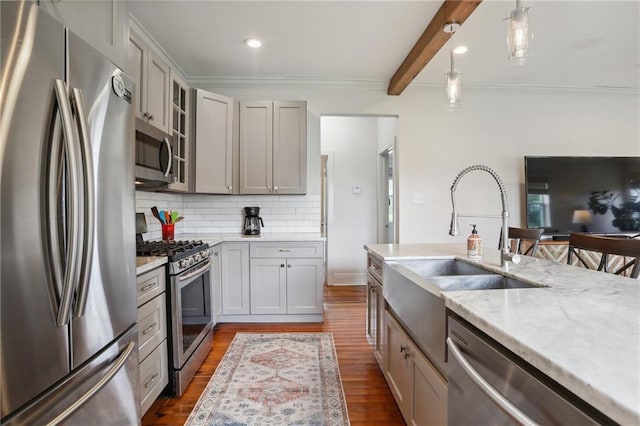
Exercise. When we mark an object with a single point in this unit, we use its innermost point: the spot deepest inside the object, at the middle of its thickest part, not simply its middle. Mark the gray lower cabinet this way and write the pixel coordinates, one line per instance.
(305, 286)
(375, 309)
(152, 336)
(268, 286)
(272, 280)
(419, 390)
(235, 278)
(216, 282)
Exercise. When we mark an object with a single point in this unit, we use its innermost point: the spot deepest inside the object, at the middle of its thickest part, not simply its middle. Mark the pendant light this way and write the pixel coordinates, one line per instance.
(453, 77)
(518, 36)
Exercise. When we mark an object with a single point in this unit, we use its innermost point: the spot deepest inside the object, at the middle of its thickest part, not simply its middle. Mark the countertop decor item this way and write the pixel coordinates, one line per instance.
(277, 378)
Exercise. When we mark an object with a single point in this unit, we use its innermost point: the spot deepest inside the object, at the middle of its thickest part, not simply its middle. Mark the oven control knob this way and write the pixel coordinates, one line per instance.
(183, 263)
(196, 257)
(191, 261)
(206, 254)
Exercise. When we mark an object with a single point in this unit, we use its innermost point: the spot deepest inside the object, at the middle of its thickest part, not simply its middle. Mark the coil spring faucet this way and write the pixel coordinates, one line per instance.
(454, 228)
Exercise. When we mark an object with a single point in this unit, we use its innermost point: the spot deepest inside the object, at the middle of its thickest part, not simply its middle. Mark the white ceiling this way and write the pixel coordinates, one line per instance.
(576, 43)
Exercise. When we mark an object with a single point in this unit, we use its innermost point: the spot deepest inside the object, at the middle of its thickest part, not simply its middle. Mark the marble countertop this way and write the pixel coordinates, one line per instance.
(583, 330)
(148, 263)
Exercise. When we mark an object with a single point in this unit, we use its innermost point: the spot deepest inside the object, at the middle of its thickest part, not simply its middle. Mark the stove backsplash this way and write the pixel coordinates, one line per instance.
(213, 214)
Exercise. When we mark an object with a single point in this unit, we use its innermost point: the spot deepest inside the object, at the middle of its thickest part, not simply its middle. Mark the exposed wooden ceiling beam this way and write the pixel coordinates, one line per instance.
(430, 42)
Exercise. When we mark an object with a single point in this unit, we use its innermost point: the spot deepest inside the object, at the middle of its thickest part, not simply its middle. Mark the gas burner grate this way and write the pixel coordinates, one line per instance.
(174, 250)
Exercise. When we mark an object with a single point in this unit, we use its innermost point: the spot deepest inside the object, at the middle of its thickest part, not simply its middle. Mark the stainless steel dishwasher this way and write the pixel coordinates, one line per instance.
(488, 385)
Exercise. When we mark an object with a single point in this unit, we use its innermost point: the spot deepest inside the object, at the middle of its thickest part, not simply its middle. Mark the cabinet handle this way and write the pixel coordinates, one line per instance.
(148, 287)
(148, 329)
(152, 380)
(402, 349)
(285, 250)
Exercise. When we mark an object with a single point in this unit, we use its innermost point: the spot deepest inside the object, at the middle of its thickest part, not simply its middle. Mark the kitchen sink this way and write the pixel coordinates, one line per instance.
(413, 290)
(439, 267)
(479, 282)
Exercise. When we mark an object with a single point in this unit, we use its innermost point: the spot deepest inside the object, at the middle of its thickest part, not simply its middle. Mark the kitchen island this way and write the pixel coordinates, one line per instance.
(582, 330)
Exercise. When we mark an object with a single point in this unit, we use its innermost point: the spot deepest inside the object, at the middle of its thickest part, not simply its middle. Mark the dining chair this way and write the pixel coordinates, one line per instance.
(530, 236)
(628, 248)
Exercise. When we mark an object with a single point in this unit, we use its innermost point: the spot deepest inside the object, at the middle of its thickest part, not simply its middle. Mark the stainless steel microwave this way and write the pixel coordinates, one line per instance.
(154, 156)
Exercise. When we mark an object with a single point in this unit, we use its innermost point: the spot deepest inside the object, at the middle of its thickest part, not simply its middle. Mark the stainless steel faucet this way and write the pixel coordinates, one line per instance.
(454, 228)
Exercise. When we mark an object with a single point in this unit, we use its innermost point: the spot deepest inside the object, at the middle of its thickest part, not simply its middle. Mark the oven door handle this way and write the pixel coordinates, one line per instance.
(196, 272)
(503, 403)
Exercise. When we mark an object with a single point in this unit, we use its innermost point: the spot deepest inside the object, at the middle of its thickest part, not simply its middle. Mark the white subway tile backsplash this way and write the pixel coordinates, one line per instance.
(225, 214)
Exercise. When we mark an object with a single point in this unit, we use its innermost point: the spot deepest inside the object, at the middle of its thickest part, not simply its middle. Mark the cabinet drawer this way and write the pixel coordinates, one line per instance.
(152, 325)
(374, 266)
(287, 249)
(154, 376)
(149, 285)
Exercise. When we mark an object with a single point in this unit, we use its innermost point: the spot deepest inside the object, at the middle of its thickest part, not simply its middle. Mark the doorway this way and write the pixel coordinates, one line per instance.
(351, 148)
(386, 197)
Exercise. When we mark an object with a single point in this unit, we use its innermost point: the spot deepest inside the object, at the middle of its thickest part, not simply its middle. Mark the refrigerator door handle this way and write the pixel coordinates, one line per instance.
(115, 368)
(86, 158)
(71, 255)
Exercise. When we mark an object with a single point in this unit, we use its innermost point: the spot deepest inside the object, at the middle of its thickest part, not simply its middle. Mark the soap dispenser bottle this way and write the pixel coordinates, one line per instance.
(474, 244)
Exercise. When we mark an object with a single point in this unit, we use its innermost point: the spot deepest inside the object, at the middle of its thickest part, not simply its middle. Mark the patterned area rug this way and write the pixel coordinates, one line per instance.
(274, 379)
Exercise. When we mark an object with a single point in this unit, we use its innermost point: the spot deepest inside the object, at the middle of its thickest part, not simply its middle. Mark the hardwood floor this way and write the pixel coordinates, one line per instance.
(369, 400)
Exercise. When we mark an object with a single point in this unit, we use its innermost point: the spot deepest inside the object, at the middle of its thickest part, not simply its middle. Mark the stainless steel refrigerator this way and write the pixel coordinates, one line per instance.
(68, 337)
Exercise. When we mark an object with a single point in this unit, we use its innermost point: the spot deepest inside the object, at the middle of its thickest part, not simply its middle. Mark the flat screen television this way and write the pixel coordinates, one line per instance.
(600, 195)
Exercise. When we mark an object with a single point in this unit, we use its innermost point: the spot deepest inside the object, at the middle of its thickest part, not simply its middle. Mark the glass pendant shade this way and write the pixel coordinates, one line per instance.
(453, 88)
(518, 34)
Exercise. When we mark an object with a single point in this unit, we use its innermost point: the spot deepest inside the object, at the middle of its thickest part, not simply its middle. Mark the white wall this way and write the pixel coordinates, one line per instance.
(495, 126)
(351, 144)
(387, 132)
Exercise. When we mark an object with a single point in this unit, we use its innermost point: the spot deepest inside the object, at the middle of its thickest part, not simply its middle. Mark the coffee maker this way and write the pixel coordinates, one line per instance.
(252, 221)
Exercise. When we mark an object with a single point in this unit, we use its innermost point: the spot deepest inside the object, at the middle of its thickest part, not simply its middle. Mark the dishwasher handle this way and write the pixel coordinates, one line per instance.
(503, 403)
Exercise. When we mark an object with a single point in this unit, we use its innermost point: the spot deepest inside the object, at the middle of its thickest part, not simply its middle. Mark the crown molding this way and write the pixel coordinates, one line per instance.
(315, 83)
(285, 82)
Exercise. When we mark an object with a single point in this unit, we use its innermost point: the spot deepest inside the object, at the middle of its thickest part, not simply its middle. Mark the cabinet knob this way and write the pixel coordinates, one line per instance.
(215, 253)
(151, 117)
(275, 188)
(145, 115)
(289, 266)
(229, 188)
(282, 265)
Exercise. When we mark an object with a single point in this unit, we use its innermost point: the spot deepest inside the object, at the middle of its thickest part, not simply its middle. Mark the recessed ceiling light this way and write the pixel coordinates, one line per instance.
(460, 50)
(253, 42)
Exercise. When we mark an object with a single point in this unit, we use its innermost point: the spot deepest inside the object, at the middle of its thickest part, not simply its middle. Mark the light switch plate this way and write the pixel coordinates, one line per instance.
(356, 190)
(418, 198)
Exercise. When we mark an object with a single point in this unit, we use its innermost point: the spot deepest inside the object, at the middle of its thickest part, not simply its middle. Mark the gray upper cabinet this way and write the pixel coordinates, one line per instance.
(152, 79)
(273, 147)
(180, 133)
(213, 143)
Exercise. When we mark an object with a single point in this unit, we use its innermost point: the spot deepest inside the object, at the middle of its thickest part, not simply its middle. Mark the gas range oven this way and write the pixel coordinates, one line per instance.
(189, 310)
